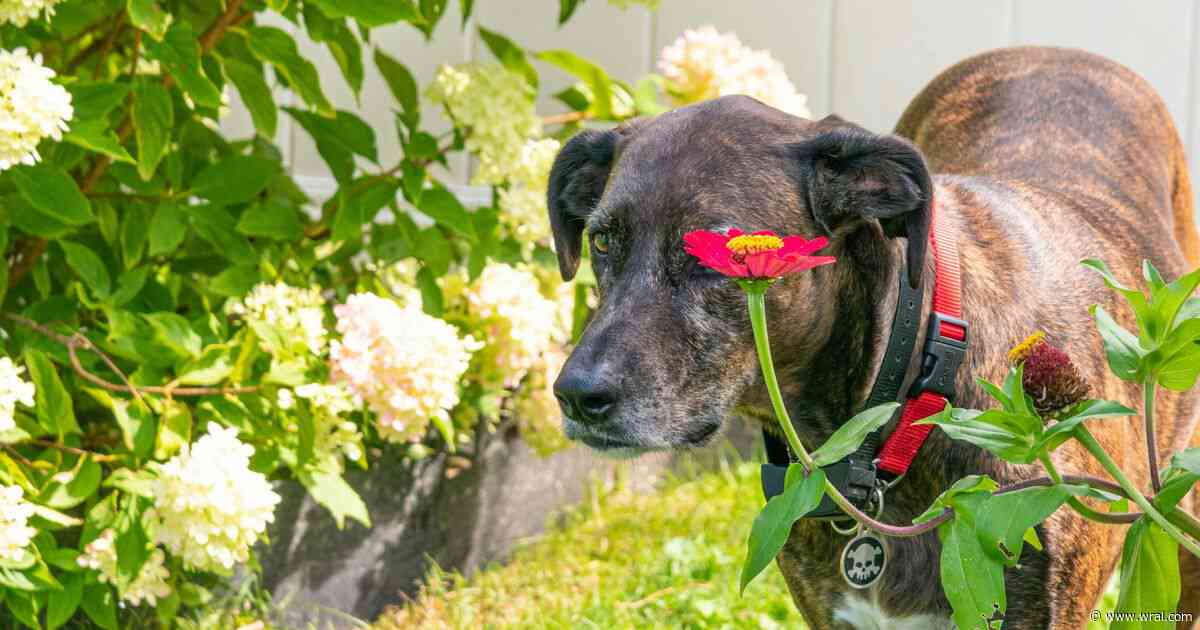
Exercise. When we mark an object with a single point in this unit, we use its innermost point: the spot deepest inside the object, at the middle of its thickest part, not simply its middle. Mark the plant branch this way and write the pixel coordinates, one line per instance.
(1084, 509)
(1149, 392)
(76, 451)
(77, 340)
(1089, 442)
(565, 118)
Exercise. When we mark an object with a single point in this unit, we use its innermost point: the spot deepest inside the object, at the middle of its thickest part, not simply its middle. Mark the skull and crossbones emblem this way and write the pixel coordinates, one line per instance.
(863, 560)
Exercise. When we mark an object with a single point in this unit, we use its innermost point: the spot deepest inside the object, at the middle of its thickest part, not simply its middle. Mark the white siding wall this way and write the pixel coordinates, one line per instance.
(863, 59)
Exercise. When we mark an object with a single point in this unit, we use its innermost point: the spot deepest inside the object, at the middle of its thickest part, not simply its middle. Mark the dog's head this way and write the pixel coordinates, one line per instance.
(669, 353)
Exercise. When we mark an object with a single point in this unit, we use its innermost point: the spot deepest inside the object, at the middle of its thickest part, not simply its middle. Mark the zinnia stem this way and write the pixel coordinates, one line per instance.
(756, 302)
(1149, 393)
(1089, 442)
(1079, 506)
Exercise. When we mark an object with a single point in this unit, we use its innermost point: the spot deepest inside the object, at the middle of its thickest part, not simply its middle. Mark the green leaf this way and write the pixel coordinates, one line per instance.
(256, 95)
(61, 605)
(591, 74)
(153, 121)
(179, 54)
(290, 373)
(996, 431)
(973, 580)
(93, 101)
(24, 607)
(1122, 347)
(338, 140)
(235, 281)
(1180, 371)
(773, 524)
(362, 207)
(272, 219)
(1149, 575)
(148, 16)
(129, 284)
(399, 80)
(58, 519)
(88, 266)
(235, 179)
(80, 486)
(174, 429)
(135, 228)
(1061, 431)
(509, 55)
(1004, 519)
(442, 206)
(431, 292)
(97, 136)
(331, 491)
(850, 435)
(215, 225)
(52, 192)
(342, 44)
(167, 229)
(100, 605)
(371, 13)
(55, 411)
(1136, 299)
(138, 424)
(566, 8)
(970, 485)
(132, 545)
(277, 48)
(174, 332)
(213, 366)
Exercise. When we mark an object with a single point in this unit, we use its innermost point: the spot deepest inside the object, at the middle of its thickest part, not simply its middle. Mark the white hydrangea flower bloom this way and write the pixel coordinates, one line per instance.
(404, 363)
(13, 390)
(32, 107)
(211, 507)
(520, 321)
(15, 533)
(495, 105)
(704, 64)
(19, 12)
(298, 313)
(523, 203)
(149, 586)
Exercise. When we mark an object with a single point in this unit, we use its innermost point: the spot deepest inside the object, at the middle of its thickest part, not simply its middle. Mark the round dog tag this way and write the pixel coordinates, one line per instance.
(863, 560)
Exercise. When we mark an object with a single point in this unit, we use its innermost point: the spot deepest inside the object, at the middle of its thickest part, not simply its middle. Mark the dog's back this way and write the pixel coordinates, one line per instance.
(1064, 120)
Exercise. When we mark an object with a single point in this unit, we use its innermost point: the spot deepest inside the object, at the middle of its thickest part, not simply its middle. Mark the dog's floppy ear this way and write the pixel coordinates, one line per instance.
(851, 174)
(577, 181)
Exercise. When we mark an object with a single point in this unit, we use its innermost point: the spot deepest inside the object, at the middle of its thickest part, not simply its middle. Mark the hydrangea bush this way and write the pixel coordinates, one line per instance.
(183, 326)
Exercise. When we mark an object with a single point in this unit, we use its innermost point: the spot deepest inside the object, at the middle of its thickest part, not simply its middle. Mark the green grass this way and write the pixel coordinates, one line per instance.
(627, 560)
(622, 560)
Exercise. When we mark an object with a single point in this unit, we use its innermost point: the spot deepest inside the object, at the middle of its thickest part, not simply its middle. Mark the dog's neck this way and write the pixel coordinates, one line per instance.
(835, 379)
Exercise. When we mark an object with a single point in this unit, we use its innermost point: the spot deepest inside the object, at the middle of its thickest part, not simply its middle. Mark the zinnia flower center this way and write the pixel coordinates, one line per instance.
(747, 244)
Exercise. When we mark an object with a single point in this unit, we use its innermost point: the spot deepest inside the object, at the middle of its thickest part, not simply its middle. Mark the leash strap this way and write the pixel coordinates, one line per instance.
(942, 354)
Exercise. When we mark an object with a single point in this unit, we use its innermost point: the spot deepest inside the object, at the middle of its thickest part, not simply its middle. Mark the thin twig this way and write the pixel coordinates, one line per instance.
(76, 340)
(564, 118)
(108, 44)
(76, 451)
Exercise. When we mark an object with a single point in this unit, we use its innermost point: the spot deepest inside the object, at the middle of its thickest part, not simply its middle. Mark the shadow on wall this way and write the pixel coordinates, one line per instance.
(321, 575)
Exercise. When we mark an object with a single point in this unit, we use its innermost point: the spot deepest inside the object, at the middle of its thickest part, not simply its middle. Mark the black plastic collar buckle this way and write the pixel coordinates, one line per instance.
(941, 357)
(854, 478)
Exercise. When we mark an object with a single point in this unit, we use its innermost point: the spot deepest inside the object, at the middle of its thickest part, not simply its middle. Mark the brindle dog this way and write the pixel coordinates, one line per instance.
(1043, 157)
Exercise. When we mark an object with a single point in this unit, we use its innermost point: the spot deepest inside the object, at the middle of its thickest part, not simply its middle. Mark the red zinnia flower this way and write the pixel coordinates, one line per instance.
(760, 255)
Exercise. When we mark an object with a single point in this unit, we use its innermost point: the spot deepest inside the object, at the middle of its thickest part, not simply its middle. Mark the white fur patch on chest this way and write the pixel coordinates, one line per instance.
(864, 614)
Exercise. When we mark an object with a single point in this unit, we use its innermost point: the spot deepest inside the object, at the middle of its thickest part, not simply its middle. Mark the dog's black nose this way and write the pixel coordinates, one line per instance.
(585, 396)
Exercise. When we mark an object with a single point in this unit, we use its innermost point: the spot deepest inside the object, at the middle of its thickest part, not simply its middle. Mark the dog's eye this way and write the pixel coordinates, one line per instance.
(600, 242)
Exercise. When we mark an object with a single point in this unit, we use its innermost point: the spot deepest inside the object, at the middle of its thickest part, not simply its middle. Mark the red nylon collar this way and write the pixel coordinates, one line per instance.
(901, 447)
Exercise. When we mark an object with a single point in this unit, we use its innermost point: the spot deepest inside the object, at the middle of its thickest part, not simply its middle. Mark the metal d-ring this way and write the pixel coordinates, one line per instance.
(854, 529)
(850, 531)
